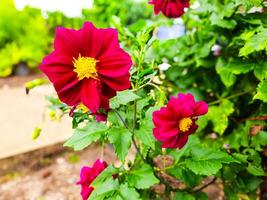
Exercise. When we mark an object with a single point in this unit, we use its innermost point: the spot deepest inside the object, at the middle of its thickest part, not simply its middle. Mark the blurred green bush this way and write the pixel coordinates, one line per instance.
(26, 36)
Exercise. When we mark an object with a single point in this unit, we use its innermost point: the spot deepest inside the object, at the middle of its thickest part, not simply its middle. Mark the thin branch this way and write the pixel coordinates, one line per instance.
(229, 97)
(122, 120)
(133, 140)
(204, 186)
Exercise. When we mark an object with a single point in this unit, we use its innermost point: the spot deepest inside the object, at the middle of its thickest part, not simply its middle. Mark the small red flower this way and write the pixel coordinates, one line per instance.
(87, 66)
(175, 122)
(170, 8)
(88, 175)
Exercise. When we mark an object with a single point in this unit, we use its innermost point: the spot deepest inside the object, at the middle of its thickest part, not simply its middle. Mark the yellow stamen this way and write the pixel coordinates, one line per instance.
(83, 108)
(185, 124)
(85, 67)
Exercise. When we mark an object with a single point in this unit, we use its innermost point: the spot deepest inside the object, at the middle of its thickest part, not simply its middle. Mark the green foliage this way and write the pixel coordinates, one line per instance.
(207, 161)
(142, 177)
(184, 196)
(218, 115)
(24, 39)
(121, 138)
(262, 91)
(254, 43)
(122, 98)
(232, 79)
(83, 137)
(108, 187)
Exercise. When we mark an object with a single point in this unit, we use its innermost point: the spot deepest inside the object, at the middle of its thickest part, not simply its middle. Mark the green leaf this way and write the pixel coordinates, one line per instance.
(142, 103)
(204, 167)
(253, 183)
(123, 98)
(120, 137)
(255, 170)
(104, 175)
(249, 3)
(83, 137)
(204, 153)
(183, 196)
(142, 178)
(207, 161)
(224, 23)
(185, 175)
(106, 189)
(128, 193)
(219, 115)
(228, 70)
(262, 91)
(255, 43)
(259, 140)
(230, 193)
(145, 132)
(240, 157)
(260, 71)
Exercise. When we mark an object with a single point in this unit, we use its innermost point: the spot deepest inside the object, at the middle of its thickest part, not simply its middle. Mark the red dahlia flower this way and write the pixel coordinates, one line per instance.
(88, 175)
(175, 122)
(87, 66)
(170, 8)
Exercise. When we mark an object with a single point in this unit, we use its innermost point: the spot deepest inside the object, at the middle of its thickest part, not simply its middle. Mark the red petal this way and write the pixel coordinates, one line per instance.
(116, 63)
(118, 83)
(90, 94)
(71, 96)
(161, 116)
(98, 41)
(182, 140)
(200, 108)
(85, 192)
(56, 66)
(85, 176)
(164, 136)
(68, 42)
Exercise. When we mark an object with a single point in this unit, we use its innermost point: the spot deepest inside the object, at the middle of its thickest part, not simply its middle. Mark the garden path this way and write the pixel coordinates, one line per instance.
(20, 114)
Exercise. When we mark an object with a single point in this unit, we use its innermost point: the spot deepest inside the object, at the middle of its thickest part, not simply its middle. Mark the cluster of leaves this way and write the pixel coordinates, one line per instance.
(232, 77)
(24, 37)
(228, 146)
(27, 37)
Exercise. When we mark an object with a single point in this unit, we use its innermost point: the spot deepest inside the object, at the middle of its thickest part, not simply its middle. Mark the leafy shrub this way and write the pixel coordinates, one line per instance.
(222, 59)
(24, 37)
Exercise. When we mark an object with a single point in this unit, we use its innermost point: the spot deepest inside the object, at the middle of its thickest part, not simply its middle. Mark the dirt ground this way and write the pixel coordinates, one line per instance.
(51, 174)
(46, 172)
(52, 177)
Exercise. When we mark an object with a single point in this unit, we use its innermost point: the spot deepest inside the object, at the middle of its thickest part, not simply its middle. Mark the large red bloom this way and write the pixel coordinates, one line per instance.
(88, 175)
(170, 8)
(175, 122)
(87, 66)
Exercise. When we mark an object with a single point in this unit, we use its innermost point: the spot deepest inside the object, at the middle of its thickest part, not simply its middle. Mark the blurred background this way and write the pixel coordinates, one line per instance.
(42, 168)
(219, 56)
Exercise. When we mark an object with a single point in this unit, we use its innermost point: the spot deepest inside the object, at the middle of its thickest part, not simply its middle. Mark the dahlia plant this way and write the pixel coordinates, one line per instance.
(120, 94)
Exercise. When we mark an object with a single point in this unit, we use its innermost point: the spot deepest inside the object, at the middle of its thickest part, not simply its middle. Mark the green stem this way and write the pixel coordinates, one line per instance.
(131, 130)
(204, 186)
(122, 120)
(229, 97)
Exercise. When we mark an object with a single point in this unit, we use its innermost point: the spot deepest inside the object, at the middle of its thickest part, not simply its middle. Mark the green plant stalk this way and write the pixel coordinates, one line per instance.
(229, 97)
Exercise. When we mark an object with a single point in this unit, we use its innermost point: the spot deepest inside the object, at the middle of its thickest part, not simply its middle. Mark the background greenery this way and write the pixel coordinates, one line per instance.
(28, 35)
(232, 137)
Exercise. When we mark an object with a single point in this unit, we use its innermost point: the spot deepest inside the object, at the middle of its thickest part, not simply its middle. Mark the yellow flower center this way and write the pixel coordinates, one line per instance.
(83, 108)
(185, 124)
(85, 67)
